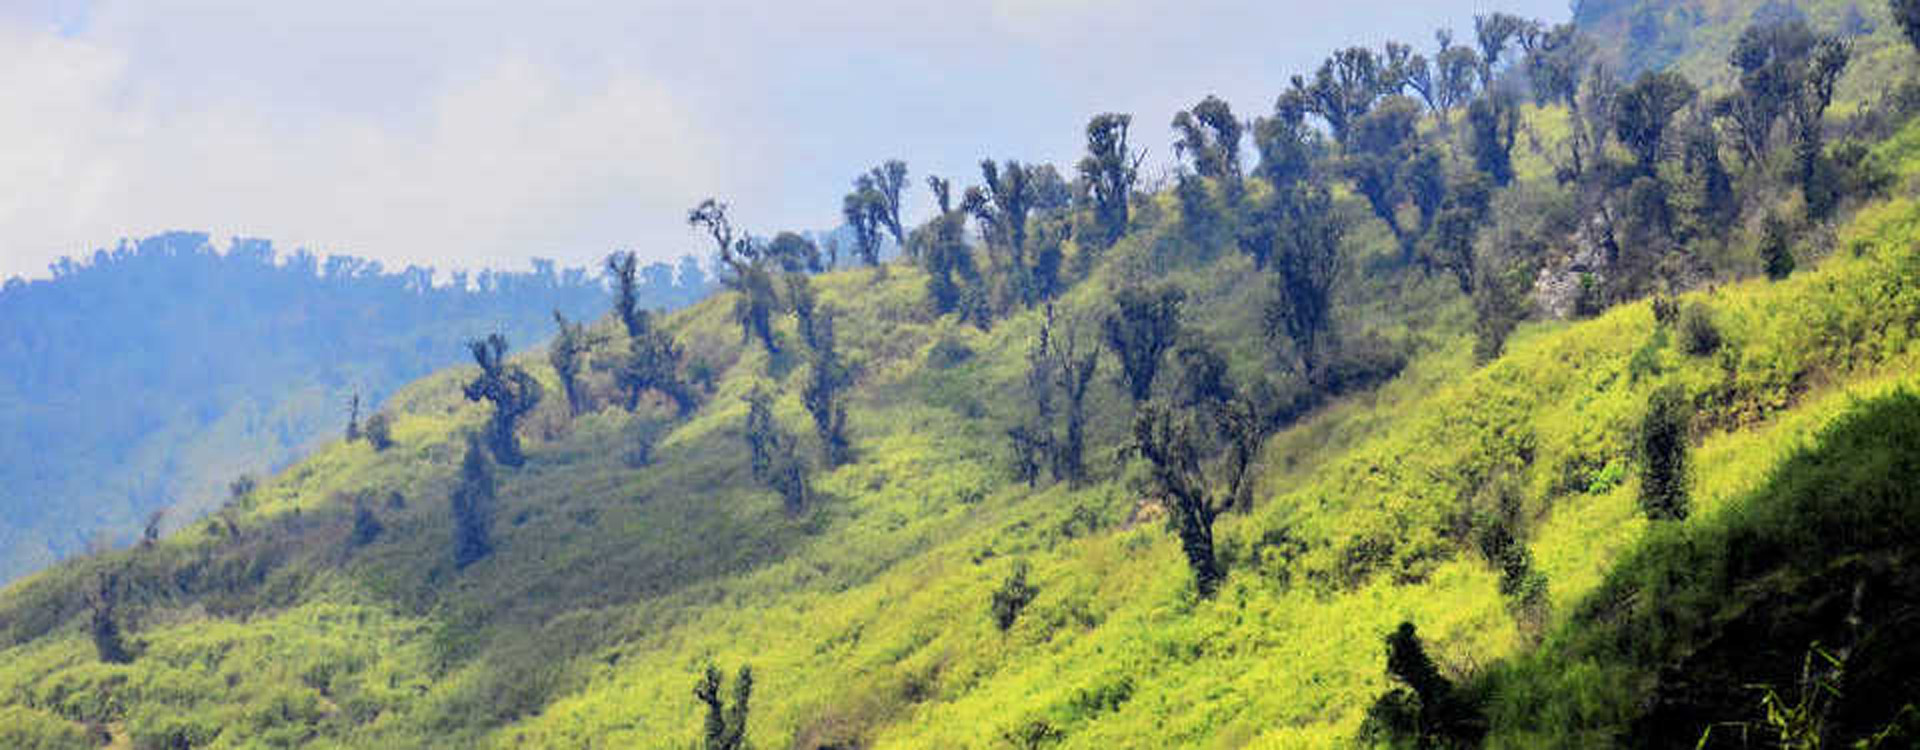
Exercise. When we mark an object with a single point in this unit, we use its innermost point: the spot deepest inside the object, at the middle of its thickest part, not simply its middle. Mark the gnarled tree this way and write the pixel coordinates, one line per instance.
(1109, 171)
(726, 726)
(514, 394)
(1140, 331)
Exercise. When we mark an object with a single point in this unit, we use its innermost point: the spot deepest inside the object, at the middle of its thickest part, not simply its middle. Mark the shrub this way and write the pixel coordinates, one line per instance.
(1698, 335)
(1663, 454)
(1014, 595)
(473, 506)
(366, 526)
(1428, 711)
(1775, 249)
(379, 431)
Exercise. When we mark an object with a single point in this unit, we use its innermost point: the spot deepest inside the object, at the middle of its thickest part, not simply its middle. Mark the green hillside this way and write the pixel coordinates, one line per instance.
(1423, 442)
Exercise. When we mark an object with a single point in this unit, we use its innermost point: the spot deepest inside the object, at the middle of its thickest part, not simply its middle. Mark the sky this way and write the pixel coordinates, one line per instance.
(481, 134)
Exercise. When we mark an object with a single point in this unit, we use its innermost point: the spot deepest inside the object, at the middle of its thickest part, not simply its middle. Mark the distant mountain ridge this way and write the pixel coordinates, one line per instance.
(151, 375)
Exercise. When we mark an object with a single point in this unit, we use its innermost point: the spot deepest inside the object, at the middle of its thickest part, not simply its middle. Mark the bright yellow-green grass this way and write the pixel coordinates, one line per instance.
(866, 619)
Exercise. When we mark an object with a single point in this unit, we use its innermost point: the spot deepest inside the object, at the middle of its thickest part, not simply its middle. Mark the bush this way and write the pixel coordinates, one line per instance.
(1014, 595)
(1775, 249)
(1698, 335)
(1663, 454)
(26, 729)
(379, 431)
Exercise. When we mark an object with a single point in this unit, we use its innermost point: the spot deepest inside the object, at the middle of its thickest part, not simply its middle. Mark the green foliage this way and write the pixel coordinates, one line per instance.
(1427, 711)
(512, 390)
(1208, 136)
(379, 431)
(1492, 123)
(1733, 601)
(1776, 248)
(1109, 170)
(1013, 596)
(1448, 494)
(726, 723)
(288, 337)
(1698, 334)
(366, 524)
(1140, 331)
(1663, 439)
(103, 623)
(1645, 110)
(823, 394)
(569, 347)
(472, 503)
(23, 728)
(775, 461)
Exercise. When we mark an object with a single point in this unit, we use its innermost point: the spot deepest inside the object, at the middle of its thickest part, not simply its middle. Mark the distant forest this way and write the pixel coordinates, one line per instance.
(151, 375)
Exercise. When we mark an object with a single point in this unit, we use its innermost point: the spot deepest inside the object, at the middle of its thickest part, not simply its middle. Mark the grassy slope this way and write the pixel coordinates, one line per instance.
(867, 619)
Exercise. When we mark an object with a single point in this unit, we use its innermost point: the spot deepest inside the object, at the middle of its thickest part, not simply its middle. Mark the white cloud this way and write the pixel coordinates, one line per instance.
(467, 134)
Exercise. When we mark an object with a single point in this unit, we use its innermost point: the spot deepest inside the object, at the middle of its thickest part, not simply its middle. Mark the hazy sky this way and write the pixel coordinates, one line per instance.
(467, 134)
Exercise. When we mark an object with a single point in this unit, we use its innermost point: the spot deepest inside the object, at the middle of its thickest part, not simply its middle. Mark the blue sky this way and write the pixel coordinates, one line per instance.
(468, 134)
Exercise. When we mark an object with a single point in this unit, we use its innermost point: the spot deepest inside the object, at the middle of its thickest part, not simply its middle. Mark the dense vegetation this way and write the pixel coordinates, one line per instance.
(151, 376)
(1284, 454)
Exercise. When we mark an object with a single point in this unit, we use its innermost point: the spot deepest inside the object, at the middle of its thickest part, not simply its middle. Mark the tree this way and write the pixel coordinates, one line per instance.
(944, 252)
(794, 253)
(1493, 121)
(1060, 368)
(1287, 145)
(652, 365)
(1174, 445)
(862, 208)
(1907, 14)
(1208, 136)
(888, 181)
(745, 271)
(567, 354)
(472, 502)
(1109, 171)
(1384, 160)
(1646, 109)
(1013, 595)
(379, 431)
(1555, 62)
(726, 726)
(1455, 66)
(1495, 33)
(1427, 710)
(1344, 88)
(102, 624)
(827, 380)
(366, 526)
(1787, 71)
(774, 460)
(353, 418)
(514, 394)
(1142, 329)
(1467, 208)
(1075, 364)
(1663, 454)
(1707, 186)
(651, 361)
(1305, 259)
(653, 358)
(623, 270)
(1776, 247)
(1001, 204)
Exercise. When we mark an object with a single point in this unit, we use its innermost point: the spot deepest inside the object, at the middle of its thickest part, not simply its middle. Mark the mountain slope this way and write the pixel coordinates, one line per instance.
(152, 376)
(330, 608)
